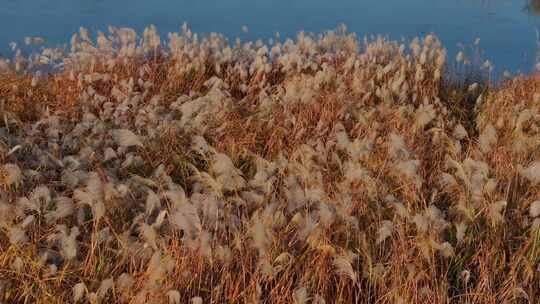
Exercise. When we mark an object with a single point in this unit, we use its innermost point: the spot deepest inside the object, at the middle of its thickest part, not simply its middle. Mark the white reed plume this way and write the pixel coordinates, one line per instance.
(447, 180)
(495, 210)
(534, 209)
(125, 282)
(410, 169)
(461, 230)
(12, 174)
(173, 296)
(79, 290)
(423, 116)
(360, 147)
(92, 195)
(64, 207)
(421, 222)
(401, 210)
(17, 235)
(33, 40)
(260, 234)
(94, 186)
(532, 173)
(300, 295)
(446, 250)
(385, 230)
(223, 253)
(226, 173)
(326, 215)
(158, 267)
(200, 145)
(460, 172)
(92, 297)
(487, 138)
(68, 241)
(343, 264)
(126, 138)
(151, 40)
(396, 147)
(39, 197)
(460, 57)
(104, 287)
(354, 172)
(109, 154)
(342, 139)
(152, 202)
(536, 224)
(150, 235)
(473, 87)
(177, 196)
(317, 299)
(185, 217)
(17, 264)
(196, 300)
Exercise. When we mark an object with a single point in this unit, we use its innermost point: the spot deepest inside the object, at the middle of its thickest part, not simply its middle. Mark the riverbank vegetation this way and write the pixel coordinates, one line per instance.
(325, 169)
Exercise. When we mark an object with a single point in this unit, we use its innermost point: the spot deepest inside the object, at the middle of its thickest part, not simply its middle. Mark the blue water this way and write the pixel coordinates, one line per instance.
(507, 29)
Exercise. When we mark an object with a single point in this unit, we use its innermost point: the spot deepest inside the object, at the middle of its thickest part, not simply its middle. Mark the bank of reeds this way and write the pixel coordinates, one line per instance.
(326, 169)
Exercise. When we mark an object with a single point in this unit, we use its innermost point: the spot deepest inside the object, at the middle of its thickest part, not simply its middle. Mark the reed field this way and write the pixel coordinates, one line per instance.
(327, 168)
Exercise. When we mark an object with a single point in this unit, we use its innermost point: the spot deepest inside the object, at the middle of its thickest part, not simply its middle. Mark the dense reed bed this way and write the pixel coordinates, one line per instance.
(324, 169)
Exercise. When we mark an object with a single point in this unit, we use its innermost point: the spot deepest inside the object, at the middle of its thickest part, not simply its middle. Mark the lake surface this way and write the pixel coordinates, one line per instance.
(507, 28)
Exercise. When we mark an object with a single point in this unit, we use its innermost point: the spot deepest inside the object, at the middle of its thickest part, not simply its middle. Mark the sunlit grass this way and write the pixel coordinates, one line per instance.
(325, 169)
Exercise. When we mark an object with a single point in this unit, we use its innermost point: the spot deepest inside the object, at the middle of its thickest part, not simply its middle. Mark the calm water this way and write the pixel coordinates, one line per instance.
(507, 28)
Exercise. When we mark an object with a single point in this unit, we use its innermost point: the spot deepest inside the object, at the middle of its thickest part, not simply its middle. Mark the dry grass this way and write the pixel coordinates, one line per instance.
(321, 170)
